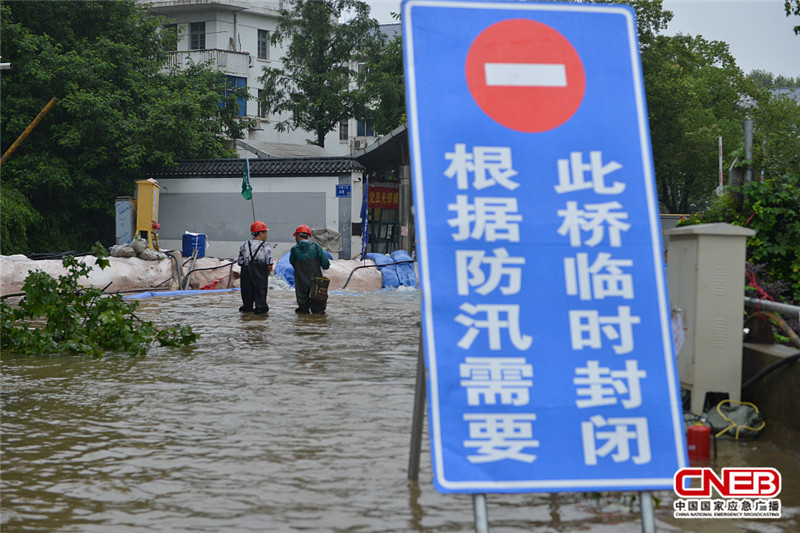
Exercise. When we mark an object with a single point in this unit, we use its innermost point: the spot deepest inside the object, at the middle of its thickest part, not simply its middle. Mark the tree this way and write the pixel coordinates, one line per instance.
(693, 93)
(383, 79)
(793, 8)
(117, 111)
(772, 208)
(316, 85)
(769, 80)
(762, 78)
(74, 319)
(777, 136)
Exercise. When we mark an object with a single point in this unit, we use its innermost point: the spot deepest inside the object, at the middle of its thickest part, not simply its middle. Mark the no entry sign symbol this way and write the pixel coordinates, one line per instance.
(525, 75)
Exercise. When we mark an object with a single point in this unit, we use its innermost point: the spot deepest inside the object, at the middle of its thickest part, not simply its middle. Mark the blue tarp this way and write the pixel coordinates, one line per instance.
(405, 271)
(390, 277)
(285, 269)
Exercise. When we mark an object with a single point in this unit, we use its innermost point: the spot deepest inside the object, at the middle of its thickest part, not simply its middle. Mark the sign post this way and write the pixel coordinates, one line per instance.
(546, 321)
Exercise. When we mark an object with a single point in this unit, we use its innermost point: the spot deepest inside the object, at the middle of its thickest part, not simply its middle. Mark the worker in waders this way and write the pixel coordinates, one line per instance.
(308, 260)
(255, 260)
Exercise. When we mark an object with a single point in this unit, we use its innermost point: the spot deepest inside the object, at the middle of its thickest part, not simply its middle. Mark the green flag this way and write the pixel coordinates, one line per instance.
(247, 189)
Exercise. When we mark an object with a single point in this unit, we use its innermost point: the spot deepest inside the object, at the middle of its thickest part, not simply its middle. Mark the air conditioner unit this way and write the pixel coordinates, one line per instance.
(359, 144)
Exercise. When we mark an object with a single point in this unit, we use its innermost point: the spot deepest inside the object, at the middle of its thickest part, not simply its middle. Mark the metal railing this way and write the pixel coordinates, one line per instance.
(227, 61)
(777, 307)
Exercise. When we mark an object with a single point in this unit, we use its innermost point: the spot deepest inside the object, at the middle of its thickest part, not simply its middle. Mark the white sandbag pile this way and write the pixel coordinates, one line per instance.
(136, 248)
(208, 270)
(134, 273)
(123, 273)
(362, 279)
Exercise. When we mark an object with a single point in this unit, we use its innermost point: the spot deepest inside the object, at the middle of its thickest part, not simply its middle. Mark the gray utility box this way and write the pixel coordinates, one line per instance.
(126, 219)
(706, 275)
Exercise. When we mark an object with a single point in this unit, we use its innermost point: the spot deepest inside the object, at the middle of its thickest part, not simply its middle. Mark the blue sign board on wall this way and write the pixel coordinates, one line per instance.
(546, 321)
(343, 191)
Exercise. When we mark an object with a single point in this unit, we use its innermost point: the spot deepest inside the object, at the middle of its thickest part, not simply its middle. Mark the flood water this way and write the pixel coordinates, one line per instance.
(271, 424)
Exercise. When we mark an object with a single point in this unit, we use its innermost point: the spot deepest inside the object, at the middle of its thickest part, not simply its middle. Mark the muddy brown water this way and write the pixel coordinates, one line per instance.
(272, 424)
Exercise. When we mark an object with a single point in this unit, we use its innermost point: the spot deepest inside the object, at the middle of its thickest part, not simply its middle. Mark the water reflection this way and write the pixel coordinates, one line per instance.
(276, 423)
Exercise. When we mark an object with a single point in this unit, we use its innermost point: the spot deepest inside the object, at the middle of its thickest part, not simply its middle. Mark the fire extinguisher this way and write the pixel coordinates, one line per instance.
(698, 441)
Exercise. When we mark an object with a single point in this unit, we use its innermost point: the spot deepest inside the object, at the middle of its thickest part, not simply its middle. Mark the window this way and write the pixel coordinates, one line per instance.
(235, 82)
(364, 129)
(262, 109)
(197, 36)
(361, 72)
(344, 133)
(171, 37)
(263, 44)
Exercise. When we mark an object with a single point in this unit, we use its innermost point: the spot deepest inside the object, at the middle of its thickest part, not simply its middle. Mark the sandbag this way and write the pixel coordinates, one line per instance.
(126, 251)
(327, 239)
(405, 271)
(735, 419)
(138, 244)
(149, 255)
(389, 272)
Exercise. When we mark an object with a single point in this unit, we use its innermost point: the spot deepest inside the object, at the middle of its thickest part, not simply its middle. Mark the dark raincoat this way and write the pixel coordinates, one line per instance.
(308, 260)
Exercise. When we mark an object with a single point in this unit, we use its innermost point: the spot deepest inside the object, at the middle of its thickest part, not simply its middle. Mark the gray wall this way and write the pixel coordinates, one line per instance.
(225, 218)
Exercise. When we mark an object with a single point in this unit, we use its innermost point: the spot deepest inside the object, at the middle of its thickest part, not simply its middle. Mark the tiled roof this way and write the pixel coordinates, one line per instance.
(299, 166)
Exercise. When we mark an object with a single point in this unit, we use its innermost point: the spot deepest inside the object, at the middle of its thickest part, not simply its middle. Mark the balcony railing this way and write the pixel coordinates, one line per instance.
(229, 62)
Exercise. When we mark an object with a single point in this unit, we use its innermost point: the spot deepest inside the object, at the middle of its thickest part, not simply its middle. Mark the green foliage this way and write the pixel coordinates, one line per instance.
(693, 91)
(316, 88)
(651, 18)
(776, 141)
(776, 217)
(773, 210)
(768, 80)
(59, 316)
(383, 79)
(793, 8)
(117, 112)
(16, 216)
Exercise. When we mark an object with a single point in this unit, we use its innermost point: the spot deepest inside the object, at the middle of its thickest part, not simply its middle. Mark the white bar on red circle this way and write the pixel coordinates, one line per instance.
(525, 75)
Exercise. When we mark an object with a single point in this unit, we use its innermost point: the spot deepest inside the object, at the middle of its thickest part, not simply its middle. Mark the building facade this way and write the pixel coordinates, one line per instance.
(235, 37)
(204, 196)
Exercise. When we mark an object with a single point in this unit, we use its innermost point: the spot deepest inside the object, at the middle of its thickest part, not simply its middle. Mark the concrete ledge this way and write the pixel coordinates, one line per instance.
(777, 395)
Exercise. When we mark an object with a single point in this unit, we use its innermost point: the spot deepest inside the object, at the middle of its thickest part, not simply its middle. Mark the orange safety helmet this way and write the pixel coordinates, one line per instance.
(302, 228)
(258, 226)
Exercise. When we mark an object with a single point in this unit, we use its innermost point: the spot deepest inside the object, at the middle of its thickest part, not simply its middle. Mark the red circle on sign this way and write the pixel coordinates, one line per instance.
(525, 75)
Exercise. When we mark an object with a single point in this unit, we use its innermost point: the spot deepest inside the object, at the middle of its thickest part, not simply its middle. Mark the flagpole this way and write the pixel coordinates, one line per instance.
(253, 205)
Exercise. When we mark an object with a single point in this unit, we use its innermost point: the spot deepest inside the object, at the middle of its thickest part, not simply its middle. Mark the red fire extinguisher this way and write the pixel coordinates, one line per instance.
(698, 440)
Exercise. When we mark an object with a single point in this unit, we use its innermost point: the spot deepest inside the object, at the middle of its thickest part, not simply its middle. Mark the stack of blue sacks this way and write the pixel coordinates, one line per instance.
(402, 275)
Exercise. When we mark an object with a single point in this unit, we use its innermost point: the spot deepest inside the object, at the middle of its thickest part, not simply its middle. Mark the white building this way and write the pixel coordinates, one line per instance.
(204, 196)
(235, 36)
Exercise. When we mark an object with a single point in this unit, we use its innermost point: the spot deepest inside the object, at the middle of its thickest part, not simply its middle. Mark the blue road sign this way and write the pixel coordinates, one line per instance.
(546, 319)
(343, 191)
